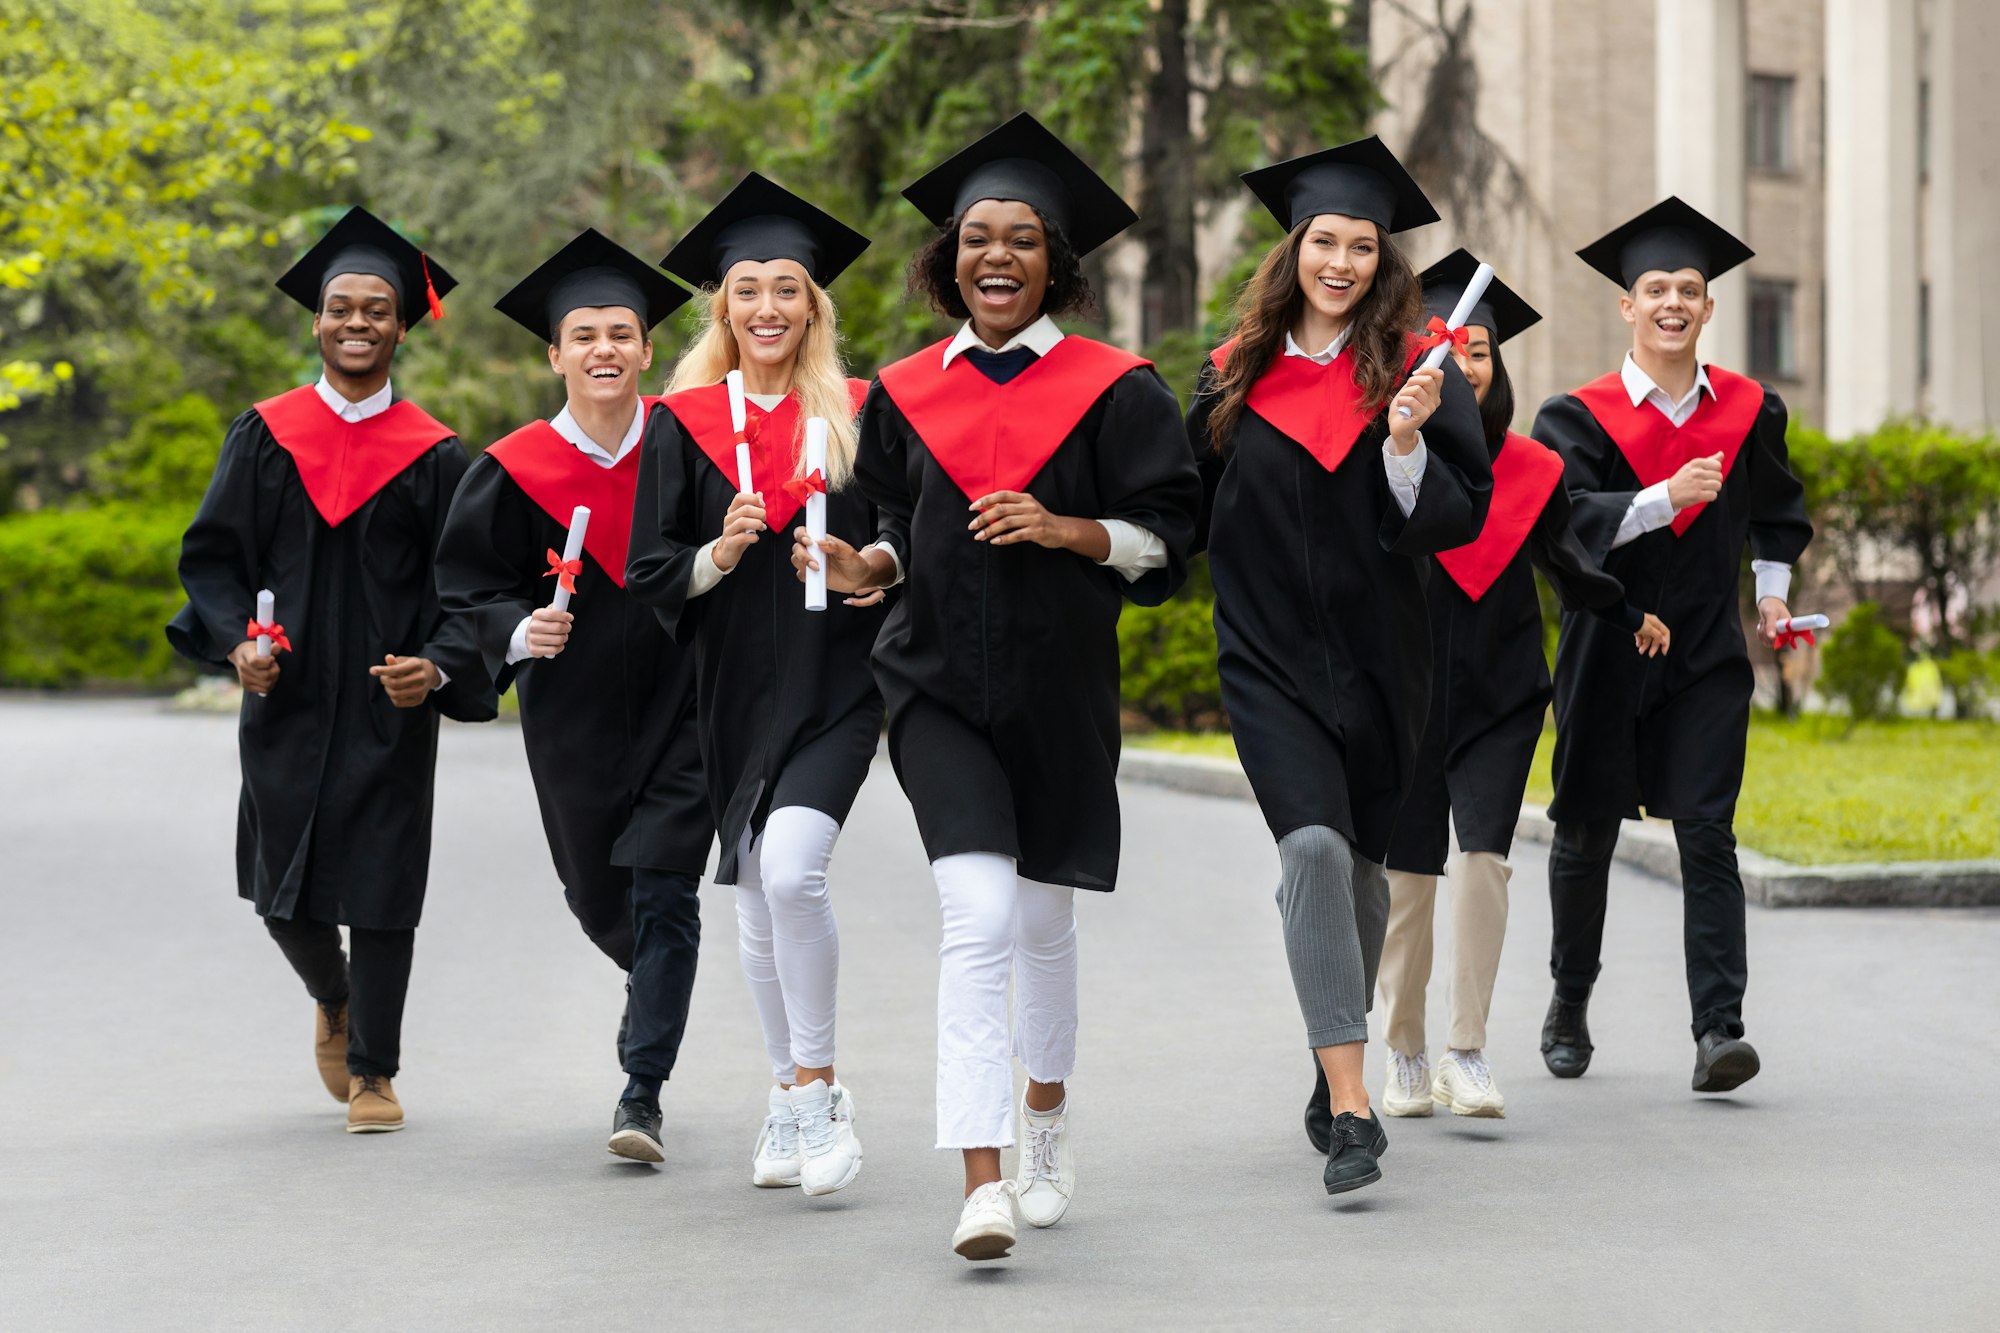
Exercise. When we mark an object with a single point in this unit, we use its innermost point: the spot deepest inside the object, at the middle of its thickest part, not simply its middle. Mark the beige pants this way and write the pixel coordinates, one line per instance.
(1478, 924)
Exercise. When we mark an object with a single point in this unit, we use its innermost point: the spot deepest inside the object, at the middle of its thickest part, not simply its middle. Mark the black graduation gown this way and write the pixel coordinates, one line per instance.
(999, 664)
(608, 723)
(335, 818)
(1666, 733)
(1321, 626)
(1490, 683)
(789, 710)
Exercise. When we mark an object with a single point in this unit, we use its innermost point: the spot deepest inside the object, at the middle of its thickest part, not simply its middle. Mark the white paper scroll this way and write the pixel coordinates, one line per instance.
(1795, 623)
(267, 613)
(579, 521)
(738, 418)
(816, 512)
(1461, 312)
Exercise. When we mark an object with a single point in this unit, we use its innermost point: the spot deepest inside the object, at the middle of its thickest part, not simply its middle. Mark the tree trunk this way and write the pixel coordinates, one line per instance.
(1166, 162)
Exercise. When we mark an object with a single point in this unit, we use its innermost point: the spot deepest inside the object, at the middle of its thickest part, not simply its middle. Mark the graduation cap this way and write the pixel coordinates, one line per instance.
(592, 270)
(1500, 312)
(760, 220)
(362, 243)
(1024, 161)
(1669, 236)
(1362, 179)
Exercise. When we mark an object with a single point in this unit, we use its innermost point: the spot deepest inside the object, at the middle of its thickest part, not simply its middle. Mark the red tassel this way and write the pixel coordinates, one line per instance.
(430, 292)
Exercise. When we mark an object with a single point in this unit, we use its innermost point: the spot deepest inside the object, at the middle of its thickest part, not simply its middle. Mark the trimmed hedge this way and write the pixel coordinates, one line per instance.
(85, 596)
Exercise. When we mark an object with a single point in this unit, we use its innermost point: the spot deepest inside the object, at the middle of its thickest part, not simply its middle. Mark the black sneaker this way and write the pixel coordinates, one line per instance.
(1722, 1062)
(1566, 1044)
(635, 1131)
(1319, 1111)
(1357, 1145)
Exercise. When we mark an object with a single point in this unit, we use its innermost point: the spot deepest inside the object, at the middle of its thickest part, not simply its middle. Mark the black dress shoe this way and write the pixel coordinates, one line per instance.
(635, 1131)
(1357, 1145)
(1723, 1062)
(1319, 1112)
(1566, 1037)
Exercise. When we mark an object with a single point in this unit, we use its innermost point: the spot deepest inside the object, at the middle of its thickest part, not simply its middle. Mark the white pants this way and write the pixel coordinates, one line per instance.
(786, 937)
(996, 922)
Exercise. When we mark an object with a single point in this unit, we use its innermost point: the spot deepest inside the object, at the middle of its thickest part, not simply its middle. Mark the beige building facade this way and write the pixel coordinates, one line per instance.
(1854, 144)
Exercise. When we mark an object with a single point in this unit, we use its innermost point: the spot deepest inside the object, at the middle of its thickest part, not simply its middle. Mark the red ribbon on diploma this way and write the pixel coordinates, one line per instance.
(1792, 638)
(803, 489)
(563, 571)
(276, 633)
(1439, 333)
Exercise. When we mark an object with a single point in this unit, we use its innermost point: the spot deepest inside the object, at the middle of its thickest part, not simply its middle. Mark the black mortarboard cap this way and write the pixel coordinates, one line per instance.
(362, 243)
(1024, 161)
(1362, 179)
(762, 220)
(1669, 236)
(1500, 312)
(592, 270)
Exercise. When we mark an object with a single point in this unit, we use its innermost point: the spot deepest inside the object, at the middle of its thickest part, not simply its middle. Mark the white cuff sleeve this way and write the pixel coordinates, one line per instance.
(444, 678)
(894, 559)
(1405, 473)
(706, 573)
(1650, 509)
(517, 646)
(1134, 550)
(1774, 579)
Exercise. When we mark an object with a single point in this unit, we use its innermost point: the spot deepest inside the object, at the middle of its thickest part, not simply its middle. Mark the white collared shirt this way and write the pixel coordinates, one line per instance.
(1039, 337)
(1651, 508)
(1405, 472)
(374, 405)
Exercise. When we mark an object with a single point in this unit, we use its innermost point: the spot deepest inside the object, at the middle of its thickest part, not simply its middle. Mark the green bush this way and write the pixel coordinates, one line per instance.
(1863, 664)
(1973, 679)
(85, 595)
(1166, 657)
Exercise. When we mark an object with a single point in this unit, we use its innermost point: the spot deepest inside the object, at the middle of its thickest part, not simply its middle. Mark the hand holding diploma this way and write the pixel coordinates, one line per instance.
(565, 570)
(256, 669)
(1443, 340)
(1792, 631)
(548, 631)
(866, 575)
(740, 527)
(739, 414)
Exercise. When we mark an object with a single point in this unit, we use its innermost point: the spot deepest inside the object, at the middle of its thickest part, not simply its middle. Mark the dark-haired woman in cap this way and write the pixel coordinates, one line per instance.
(1042, 480)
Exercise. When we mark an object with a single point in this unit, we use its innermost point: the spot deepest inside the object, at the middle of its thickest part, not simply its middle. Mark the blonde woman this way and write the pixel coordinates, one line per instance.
(788, 709)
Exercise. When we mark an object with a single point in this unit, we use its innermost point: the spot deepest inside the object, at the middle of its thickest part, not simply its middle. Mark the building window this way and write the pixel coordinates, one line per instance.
(1774, 353)
(1771, 122)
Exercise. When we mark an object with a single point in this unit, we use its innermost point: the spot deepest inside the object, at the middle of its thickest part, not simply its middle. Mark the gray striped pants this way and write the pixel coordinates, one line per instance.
(1335, 906)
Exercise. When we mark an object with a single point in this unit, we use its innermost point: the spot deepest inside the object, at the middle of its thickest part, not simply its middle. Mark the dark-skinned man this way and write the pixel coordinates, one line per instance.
(332, 497)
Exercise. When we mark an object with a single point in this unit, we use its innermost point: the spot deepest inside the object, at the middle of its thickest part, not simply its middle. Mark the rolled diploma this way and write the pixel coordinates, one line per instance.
(738, 418)
(1459, 314)
(1802, 622)
(266, 611)
(816, 513)
(579, 520)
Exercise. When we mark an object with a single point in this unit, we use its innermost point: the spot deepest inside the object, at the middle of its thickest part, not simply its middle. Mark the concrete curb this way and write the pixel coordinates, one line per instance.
(1649, 846)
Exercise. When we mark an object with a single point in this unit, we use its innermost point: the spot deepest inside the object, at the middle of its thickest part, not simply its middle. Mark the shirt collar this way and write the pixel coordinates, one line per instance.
(1039, 337)
(565, 426)
(1639, 385)
(1324, 357)
(374, 405)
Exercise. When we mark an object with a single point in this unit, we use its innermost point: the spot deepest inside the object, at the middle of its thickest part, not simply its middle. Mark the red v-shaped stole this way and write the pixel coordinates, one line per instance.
(1317, 406)
(775, 439)
(1524, 475)
(1656, 448)
(558, 477)
(996, 437)
(343, 463)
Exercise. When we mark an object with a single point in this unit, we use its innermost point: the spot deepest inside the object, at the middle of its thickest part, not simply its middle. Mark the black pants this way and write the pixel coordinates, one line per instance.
(666, 942)
(1712, 920)
(372, 987)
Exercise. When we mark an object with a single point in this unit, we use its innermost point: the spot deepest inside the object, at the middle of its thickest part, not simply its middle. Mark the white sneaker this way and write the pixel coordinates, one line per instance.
(832, 1155)
(1465, 1084)
(986, 1225)
(775, 1161)
(1407, 1089)
(1047, 1174)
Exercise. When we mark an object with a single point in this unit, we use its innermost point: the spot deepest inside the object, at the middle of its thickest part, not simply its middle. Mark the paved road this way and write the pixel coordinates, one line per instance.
(168, 1159)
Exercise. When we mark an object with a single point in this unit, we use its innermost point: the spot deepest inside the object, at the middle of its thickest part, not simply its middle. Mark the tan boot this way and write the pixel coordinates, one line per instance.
(330, 1048)
(372, 1107)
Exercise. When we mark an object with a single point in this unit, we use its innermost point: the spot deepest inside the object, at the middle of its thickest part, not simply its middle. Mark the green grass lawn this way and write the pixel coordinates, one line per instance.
(1912, 790)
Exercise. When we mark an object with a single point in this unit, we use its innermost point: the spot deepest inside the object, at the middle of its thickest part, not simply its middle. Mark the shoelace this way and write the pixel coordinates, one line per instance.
(1347, 1130)
(995, 1194)
(1568, 1024)
(371, 1083)
(816, 1129)
(1038, 1152)
(781, 1131)
(1412, 1071)
(336, 1019)
(1473, 1065)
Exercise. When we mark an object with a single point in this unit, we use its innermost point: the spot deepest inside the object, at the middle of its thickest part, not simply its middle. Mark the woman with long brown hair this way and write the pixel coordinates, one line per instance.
(1330, 475)
(787, 708)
